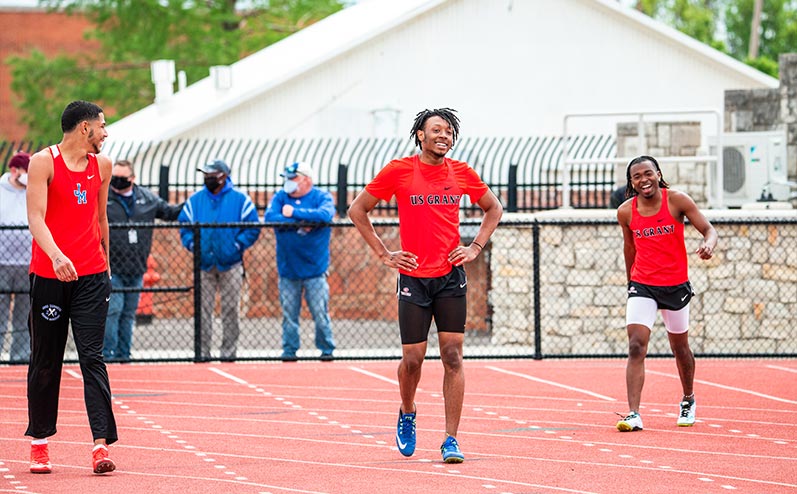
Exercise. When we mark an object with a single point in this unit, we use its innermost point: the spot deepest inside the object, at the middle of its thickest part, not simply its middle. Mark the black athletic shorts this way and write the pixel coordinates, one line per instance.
(422, 291)
(667, 297)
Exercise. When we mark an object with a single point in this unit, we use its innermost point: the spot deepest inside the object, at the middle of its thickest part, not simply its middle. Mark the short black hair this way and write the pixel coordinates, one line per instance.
(629, 190)
(447, 114)
(76, 112)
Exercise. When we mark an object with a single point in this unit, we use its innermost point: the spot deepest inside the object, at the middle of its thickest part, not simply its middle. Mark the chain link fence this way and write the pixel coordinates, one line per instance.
(543, 287)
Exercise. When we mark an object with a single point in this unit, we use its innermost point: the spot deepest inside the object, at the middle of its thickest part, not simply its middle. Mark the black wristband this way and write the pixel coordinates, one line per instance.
(481, 247)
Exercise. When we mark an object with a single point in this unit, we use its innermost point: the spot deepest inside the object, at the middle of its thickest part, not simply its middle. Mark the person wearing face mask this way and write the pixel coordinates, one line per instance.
(15, 258)
(303, 257)
(129, 249)
(222, 250)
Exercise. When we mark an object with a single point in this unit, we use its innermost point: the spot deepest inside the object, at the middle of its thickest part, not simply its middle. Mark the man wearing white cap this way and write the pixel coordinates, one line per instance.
(303, 257)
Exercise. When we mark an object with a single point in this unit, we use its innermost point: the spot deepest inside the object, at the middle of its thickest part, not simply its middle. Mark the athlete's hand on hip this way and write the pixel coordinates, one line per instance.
(463, 254)
(64, 269)
(400, 259)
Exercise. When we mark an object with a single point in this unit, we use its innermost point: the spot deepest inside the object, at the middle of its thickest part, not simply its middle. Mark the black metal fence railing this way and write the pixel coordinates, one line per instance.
(524, 172)
(529, 297)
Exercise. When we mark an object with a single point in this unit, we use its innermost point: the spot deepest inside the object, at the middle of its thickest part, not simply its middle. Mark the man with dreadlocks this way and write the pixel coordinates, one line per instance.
(658, 278)
(431, 279)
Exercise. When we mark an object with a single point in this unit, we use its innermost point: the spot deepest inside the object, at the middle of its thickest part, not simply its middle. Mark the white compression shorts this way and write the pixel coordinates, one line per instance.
(641, 310)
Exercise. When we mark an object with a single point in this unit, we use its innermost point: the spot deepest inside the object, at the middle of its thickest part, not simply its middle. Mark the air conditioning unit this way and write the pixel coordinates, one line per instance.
(753, 167)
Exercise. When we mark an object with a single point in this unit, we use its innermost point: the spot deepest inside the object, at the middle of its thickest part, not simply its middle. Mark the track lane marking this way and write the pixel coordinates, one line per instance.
(375, 375)
(730, 388)
(550, 383)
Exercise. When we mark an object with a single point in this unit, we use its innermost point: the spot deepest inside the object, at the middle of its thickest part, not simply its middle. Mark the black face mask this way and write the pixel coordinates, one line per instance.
(120, 183)
(212, 183)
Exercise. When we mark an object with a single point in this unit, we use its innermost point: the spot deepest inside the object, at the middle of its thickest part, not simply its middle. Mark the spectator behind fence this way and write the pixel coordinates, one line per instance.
(15, 258)
(432, 283)
(222, 251)
(303, 257)
(130, 247)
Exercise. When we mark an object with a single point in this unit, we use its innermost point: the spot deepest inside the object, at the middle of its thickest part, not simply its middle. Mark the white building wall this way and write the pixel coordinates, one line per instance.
(511, 67)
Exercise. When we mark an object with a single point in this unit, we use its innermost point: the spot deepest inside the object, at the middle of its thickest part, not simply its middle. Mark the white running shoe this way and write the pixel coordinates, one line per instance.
(686, 417)
(631, 422)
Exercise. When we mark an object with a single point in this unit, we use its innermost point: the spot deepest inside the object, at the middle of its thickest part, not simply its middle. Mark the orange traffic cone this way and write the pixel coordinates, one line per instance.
(144, 311)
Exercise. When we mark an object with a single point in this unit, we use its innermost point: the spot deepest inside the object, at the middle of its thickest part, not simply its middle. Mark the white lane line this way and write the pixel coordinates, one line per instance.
(550, 383)
(74, 374)
(228, 376)
(375, 375)
(730, 388)
(778, 367)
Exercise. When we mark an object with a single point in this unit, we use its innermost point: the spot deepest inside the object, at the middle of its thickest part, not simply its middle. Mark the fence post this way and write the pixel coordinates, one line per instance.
(511, 192)
(343, 185)
(535, 245)
(198, 357)
(163, 183)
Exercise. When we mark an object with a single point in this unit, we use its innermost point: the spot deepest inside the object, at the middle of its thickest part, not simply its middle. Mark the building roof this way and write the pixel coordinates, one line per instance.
(341, 33)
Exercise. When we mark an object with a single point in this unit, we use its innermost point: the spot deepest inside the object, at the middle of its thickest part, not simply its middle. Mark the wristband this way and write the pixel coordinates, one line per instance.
(481, 247)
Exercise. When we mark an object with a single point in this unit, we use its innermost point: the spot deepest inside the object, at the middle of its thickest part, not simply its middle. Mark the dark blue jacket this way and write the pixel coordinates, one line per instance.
(222, 248)
(302, 253)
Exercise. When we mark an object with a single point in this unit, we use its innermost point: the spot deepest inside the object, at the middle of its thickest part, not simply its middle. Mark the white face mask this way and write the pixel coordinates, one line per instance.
(23, 179)
(290, 186)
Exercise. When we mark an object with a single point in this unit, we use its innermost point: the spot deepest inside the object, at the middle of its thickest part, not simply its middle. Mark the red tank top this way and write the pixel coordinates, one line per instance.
(660, 249)
(73, 218)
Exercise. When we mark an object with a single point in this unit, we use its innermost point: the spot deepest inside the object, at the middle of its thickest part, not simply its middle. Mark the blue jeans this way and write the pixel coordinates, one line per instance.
(121, 317)
(316, 294)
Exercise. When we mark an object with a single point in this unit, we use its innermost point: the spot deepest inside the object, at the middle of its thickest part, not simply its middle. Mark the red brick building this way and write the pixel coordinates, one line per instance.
(25, 29)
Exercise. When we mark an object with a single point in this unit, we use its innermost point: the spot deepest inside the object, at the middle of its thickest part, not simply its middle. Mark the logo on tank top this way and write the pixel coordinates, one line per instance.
(51, 312)
(655, 232)
(81, 195)
(435, 199)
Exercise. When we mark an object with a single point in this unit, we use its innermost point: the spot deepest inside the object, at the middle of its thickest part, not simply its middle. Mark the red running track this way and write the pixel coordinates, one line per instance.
(527, 427)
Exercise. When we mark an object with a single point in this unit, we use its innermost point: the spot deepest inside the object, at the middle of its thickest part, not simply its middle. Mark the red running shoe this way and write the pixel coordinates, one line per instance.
(102, 463)
(40, 459)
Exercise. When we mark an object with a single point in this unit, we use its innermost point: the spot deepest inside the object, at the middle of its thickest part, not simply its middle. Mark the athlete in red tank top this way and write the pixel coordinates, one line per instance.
(657, 272)
(70, 284)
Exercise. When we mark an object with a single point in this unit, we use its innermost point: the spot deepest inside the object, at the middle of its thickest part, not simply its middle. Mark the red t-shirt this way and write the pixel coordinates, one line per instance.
(73, 218)
(428, 198)
(660, 249)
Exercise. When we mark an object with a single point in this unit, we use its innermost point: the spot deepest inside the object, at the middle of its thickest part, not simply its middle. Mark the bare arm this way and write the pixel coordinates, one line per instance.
(40, 173)
(629, 249)
(688, 208)
(363, 204)
(102, 203)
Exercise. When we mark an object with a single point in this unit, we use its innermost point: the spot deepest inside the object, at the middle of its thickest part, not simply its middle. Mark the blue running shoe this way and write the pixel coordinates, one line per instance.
(405, 433)
(451, 452)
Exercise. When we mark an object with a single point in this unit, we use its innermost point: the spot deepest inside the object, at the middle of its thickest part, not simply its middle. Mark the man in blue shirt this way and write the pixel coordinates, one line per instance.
(303, 257)
(222, 250)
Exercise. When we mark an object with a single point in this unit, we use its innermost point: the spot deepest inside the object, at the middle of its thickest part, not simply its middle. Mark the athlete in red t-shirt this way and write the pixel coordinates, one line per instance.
(658, 278)
(432, 284)
(67, 195)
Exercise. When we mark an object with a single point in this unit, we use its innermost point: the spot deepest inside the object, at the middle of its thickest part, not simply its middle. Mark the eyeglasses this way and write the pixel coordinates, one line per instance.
(293, 169)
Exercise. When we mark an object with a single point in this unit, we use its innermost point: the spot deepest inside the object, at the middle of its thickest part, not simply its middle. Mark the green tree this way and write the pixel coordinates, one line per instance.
(196, 35)
(726, 25)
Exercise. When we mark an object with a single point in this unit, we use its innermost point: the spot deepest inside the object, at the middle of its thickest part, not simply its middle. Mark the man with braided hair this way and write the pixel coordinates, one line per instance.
(431, 278)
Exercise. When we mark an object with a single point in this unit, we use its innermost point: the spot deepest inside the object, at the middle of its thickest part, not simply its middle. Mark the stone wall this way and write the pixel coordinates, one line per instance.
(746, 295)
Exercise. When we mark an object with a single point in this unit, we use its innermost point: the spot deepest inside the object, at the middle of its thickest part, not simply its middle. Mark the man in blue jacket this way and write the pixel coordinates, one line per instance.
(303, 257)
(222, 250)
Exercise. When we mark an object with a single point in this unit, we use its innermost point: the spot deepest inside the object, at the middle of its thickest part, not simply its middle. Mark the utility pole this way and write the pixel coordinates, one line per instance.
(755, 29)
